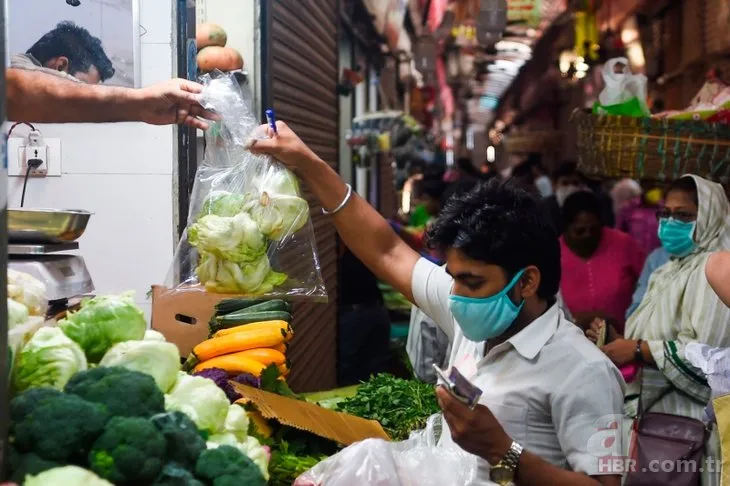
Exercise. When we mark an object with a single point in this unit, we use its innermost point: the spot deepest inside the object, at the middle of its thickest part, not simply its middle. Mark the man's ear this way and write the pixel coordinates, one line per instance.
(61, 64)
(530, 282)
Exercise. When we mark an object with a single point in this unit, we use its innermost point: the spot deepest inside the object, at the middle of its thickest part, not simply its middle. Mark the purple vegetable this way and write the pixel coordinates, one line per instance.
(248, 379)
(222, 379)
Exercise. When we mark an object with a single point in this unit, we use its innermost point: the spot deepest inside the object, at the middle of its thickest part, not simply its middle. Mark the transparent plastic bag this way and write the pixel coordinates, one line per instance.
(249, 230)
(418, 461)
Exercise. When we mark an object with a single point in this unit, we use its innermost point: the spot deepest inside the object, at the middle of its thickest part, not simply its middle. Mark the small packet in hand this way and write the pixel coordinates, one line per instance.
(459, 387)
(602, 333)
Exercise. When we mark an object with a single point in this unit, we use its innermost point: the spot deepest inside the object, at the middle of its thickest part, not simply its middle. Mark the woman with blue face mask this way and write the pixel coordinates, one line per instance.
(679, 308)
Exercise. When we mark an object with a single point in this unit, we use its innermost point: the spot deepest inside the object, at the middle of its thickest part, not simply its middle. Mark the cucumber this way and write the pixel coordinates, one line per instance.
(232, 305)
(224, 322)
(268, 306)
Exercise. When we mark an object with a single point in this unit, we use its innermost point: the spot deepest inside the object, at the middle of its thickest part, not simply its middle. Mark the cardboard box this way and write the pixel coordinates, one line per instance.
(182, 315)
(339, 427)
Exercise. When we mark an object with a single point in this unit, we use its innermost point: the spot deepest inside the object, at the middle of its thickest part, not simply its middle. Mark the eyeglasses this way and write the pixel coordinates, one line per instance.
(677, 215)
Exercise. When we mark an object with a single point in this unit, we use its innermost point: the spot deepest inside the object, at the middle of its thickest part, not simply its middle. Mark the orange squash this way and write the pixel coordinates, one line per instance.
(210, 35)
(223, 58)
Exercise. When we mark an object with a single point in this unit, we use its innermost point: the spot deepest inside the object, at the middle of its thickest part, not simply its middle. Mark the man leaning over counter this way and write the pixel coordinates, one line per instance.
(34, 96)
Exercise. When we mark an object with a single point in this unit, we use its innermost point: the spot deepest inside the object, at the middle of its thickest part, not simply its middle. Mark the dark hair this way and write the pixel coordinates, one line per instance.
(456, 189)
(581, 202)
(76, 43)
(687, 185)
(523, 170)
(499, 223)
(566, 169)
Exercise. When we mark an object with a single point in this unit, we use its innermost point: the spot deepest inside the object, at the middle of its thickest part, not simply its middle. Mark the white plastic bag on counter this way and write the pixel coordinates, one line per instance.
(249, 231)
(621, 85)
(417, 461)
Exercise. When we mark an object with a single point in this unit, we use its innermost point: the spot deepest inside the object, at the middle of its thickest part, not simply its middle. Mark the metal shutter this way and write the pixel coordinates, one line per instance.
(300, 71)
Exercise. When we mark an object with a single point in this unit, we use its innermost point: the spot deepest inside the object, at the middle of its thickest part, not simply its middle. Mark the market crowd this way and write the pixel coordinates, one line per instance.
(568, 303)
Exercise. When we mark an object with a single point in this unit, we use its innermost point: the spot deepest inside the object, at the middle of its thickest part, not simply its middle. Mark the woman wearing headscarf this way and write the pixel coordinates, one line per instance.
(679, 308)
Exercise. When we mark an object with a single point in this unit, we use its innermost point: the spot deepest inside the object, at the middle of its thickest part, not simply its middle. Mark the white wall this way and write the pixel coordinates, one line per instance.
(123, 173)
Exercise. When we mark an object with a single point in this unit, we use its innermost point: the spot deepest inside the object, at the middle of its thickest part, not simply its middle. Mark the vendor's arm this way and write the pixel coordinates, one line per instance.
(717, 271)
(361, 227)
(33, 96)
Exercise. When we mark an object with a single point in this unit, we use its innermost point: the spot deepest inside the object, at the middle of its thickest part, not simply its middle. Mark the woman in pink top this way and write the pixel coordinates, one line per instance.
(600, 266)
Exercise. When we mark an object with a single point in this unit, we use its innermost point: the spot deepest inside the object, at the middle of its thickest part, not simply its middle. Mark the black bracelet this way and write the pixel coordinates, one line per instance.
(638, 356)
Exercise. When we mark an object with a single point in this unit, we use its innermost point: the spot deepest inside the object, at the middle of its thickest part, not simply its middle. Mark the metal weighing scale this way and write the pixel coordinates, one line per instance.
(40, 242)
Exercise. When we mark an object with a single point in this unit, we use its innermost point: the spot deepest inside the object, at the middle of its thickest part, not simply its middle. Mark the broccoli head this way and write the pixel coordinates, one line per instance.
(174, 474)
(124, 393)
(130, 451)
(22, 465)
(184, 442)
(60, 429)
(228, 466)
(22, 405)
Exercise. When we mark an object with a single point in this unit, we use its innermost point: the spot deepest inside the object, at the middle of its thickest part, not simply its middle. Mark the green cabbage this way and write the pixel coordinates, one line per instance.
(103, 322)
(49, 358)
(200, 399)
(278, 215)
(67, 475)
(17, 314)
(159, 359)
(29, 291)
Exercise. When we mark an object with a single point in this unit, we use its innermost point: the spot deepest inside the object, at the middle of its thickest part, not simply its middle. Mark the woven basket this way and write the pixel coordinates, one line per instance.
(651, 149)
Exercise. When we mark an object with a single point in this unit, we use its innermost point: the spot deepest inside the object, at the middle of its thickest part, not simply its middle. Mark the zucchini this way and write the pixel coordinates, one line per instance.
(268, 306)
(224, 322)
(227, 306)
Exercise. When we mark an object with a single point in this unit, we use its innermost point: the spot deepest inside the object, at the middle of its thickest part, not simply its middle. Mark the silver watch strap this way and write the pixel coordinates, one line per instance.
(512, 459)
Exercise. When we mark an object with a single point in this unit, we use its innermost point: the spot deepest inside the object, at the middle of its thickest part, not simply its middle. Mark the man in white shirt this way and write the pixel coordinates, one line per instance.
(548, 392)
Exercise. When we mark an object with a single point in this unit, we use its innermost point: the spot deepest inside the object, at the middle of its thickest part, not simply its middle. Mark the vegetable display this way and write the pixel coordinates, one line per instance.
(401, 406)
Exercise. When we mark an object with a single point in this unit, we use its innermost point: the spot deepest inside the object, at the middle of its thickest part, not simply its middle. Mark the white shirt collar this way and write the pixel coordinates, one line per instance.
(529, 341)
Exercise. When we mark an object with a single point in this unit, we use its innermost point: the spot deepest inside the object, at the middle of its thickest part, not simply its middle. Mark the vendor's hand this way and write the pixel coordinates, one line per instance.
(620, 351)
(284, 145)
(176, 101)
(476, 431)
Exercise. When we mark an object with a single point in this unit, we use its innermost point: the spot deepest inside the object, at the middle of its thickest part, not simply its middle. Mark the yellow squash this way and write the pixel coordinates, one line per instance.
(233, 363)
(240, 341)
(281, 325)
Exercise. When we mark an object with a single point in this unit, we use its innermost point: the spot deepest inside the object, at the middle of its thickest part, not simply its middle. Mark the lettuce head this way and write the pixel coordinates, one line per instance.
(222, 203)
(17, 313)
(103, 322)
(200, 399)
(279, 182)
(235, 238)
(49, 358)
(159, 359)
(279, 215)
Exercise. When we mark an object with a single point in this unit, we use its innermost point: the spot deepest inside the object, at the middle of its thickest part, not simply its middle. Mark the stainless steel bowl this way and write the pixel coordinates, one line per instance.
(46, 225)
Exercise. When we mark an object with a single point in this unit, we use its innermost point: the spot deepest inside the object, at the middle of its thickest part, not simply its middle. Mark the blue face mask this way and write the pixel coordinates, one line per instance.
(486, 318)
(676, 236)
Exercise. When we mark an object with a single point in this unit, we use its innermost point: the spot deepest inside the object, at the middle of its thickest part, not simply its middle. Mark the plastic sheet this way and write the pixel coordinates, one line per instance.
(249, 230)
(715, 364)
(418, 461)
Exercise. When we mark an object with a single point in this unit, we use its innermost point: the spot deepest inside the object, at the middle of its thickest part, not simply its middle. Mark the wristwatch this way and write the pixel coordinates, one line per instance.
(503, 473)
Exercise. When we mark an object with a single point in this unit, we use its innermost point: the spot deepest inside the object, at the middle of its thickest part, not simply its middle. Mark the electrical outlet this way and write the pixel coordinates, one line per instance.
(18, 155)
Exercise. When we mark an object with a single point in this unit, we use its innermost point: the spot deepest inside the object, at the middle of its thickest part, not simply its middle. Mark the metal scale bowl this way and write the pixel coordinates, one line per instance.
(38, 244)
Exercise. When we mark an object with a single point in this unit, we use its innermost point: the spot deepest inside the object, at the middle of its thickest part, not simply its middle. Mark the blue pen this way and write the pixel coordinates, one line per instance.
(271, 119)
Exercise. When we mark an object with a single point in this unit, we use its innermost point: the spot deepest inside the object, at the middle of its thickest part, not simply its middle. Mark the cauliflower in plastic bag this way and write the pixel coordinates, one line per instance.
(28, 291)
